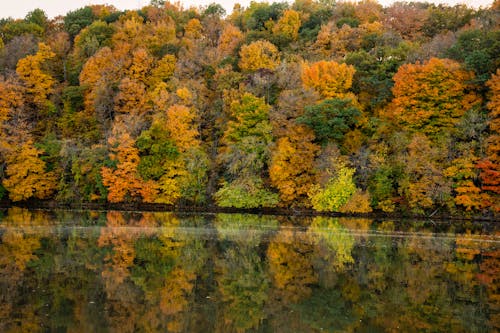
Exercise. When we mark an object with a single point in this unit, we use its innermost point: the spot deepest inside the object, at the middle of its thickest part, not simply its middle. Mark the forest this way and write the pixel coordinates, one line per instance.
(346, 107)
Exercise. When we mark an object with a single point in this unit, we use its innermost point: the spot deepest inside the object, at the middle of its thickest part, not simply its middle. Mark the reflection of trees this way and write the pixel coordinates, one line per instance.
(118, 240)
(490, 277)
(243, 285)
(290, 265)
(334, 242)
(410, 283)
(244, 228)
(165, 269)
(20, 239)
(241, 275)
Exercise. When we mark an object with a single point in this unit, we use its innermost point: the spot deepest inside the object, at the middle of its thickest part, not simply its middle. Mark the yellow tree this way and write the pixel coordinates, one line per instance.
(180, 124)
(141, 65)
(291, 165)
(259, 55)
(329, 78)
(39, 85)
(288, 25)
(163, 70)
(26, 176)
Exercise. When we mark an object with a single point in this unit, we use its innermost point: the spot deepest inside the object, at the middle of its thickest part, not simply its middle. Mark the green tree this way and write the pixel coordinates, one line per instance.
(330, 119)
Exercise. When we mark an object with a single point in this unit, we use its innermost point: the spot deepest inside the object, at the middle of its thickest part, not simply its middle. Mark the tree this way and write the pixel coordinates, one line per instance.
(259, 55)
(39, 85)
(76, 20)
(180, 124)
(407, 19)
(123, 181)
(229, 39)
(288, 25)
(292, 164)
(336, 192)
(424, 184)
(246, 152)
(330, 119)
(132, 97)
(432, 96)
(26, 176)
(329, 78)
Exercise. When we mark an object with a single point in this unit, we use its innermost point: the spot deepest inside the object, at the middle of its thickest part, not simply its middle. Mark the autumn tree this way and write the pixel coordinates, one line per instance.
(336, 192)
(329, 78)
(288, 26)
(26, 175)
(432, 96)
(424, 184)
(229, 39)
(39, 84)
(122, 180)
(259, 55)
(172, 157)
(291, 169)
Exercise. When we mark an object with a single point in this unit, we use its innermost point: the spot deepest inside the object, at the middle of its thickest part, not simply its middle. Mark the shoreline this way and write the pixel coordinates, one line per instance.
(156, 207)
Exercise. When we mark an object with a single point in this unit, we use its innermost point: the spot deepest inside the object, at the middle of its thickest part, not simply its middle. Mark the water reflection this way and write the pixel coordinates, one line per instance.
(135, 272)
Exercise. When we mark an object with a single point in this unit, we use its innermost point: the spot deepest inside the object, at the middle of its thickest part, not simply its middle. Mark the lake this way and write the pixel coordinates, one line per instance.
(90, 271)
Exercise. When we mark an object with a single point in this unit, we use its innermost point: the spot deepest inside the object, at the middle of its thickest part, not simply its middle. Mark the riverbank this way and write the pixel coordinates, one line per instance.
(156, 207)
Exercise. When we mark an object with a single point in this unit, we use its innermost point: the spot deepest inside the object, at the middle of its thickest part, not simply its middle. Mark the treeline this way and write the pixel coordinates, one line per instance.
(335, 106)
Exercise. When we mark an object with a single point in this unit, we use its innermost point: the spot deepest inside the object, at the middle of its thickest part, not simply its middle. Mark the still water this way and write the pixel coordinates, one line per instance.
(67, 271)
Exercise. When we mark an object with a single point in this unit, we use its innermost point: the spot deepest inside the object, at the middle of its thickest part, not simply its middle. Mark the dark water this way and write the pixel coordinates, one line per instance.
(162, 272)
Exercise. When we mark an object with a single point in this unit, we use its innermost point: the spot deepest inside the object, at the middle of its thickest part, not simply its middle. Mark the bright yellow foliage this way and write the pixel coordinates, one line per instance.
(259, 55)
(358, 203)
(11, 99)
(180, 124)
(38, 84)
(26, 176)
(288, 25)
(164, 70)
(170, 183)
(193, 29)
(141, 65)
(329, 78)
(292, 164)
(185, 95)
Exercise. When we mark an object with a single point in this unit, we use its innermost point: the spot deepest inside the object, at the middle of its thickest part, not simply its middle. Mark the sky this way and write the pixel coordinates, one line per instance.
(19, 8)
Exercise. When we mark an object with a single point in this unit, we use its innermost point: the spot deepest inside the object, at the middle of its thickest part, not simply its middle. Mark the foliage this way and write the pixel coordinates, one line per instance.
(259, 55)
(330, 119)
(431, 97)
(26, 174)
(262, 107)
(329, 78)
(335, 193)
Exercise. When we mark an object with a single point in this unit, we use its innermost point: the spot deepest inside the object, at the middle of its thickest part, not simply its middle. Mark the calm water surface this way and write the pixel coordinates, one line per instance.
(63, 271)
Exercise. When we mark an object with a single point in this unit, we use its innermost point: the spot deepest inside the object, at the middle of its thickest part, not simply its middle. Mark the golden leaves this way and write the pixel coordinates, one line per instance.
(259, 55)
(329, 78)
